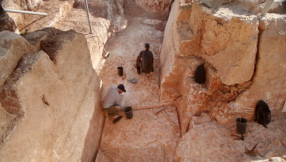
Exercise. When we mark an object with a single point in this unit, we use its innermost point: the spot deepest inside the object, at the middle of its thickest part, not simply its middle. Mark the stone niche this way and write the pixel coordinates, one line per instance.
(50, 103)
(243, 59)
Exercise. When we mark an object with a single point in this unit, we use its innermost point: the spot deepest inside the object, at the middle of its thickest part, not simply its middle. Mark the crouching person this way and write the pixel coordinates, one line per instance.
(111, 103)
(144, 61)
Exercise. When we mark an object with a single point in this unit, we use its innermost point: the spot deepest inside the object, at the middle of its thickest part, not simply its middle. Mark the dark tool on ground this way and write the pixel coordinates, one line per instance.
(117, 119)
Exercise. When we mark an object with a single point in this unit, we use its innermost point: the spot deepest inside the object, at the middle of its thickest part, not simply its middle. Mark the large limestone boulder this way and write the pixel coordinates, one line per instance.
(57, 94)
(229, 42)
(12, 48)
(231, 48)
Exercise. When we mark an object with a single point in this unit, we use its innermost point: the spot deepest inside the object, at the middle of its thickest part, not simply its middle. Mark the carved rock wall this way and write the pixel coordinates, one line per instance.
(232, 46)
(56, 94)
(268, 84)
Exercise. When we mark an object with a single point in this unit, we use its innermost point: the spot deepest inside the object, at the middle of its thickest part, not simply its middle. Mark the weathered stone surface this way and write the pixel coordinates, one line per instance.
(172, 64)
(215, 4)
(12, 49)
(35, 39)
(101, 157)
(229, 62)
(159, 6)
(62, 16)
(74, 20)
(8, 122)
(6, 23)
(25, 5)
(256, 6)
(58, 99)
(229, 43)
(116, 15)
(268, 83)
(28, 4)
(151, 135)
(197, 98)
(231, 48)
(56, 11)
(207, 140)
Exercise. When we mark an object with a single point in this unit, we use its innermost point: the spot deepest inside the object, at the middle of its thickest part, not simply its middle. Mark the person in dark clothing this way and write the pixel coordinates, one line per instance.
(144, 62)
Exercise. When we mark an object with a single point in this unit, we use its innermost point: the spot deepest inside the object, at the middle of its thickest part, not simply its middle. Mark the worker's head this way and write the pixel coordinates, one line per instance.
(121, 88)
(147, 46)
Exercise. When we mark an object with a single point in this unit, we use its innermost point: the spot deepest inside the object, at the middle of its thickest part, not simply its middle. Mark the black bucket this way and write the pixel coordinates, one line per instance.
(120, 71)
(241, 124)
(128, 112)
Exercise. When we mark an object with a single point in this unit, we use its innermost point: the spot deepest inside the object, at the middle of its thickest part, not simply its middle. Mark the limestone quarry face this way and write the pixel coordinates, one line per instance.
(232, 55)
(269, 78)
(51, 99)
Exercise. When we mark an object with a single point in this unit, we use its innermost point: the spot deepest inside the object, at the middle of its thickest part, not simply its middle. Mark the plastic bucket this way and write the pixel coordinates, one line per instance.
(128, 112)
(241, 124)
(120, 71)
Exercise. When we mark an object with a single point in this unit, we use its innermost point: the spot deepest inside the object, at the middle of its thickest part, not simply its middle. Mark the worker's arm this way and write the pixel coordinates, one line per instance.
(139, 56)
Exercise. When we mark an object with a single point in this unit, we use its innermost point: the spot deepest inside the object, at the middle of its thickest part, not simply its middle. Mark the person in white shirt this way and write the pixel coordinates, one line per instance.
(111, 103)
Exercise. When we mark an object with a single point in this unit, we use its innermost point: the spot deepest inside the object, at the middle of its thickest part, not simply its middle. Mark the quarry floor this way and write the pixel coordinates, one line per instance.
(154, 127)
(153, 134)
